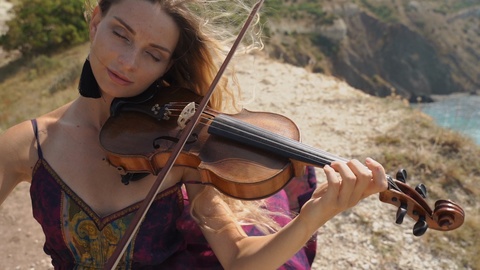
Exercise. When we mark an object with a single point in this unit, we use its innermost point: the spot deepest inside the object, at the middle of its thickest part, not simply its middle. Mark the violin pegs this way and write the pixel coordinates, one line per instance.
(401, 175)
(422, 190)
(401, 213)
(420, 227)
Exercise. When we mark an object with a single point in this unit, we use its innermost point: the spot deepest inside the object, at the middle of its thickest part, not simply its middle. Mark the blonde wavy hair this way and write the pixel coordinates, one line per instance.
(204, 42)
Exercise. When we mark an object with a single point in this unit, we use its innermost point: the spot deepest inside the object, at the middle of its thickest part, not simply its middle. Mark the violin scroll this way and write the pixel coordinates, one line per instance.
(446, 216)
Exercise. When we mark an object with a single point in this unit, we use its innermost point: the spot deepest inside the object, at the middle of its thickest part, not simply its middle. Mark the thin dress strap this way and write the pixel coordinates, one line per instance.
(35, 131)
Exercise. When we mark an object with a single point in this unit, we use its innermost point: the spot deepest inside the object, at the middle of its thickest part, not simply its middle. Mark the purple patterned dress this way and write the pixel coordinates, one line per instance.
(168, 238)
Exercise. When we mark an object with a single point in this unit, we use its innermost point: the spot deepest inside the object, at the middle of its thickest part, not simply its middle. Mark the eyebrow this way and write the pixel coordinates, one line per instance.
(129, 28)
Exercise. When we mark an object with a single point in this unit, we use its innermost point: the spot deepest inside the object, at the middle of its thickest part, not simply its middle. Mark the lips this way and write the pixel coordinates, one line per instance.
(119, 79)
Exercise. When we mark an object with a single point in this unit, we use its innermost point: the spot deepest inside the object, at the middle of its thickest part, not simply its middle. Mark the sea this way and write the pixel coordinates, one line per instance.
(456, 112)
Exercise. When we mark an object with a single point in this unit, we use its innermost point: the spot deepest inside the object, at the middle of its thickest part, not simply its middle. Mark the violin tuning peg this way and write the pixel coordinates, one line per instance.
(401, 175)
(422, 190)
(401, 213)
(420, 227)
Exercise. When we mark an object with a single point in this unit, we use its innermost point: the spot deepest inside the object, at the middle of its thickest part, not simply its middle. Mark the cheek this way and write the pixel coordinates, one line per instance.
(102, 44)
(98, 58)
(150, 74)
(101, 47)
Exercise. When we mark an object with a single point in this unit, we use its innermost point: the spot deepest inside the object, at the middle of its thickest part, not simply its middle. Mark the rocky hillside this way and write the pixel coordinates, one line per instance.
(412, 48)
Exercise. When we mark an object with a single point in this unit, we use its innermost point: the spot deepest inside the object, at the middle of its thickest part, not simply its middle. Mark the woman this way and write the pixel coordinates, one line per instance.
(135, 45)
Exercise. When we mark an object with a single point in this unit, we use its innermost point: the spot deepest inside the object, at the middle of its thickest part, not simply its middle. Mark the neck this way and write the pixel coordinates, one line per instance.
(92, 113)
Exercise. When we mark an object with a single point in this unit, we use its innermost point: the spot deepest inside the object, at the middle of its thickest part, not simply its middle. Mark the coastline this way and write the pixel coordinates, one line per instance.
(459, 112)
(437, 98)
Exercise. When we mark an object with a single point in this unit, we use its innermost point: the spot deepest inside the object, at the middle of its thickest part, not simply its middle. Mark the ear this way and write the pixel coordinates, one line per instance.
(94, 21)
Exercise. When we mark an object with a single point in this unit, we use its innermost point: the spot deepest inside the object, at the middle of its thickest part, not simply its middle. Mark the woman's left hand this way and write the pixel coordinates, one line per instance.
(347, 183)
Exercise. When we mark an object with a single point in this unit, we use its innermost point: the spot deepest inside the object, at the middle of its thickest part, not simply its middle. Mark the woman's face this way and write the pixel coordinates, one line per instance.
(131, 46)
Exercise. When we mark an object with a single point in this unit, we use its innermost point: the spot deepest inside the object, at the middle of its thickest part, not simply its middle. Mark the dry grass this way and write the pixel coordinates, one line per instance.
(30, 87)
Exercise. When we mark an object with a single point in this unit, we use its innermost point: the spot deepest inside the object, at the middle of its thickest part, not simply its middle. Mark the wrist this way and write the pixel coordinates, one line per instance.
(309, 223)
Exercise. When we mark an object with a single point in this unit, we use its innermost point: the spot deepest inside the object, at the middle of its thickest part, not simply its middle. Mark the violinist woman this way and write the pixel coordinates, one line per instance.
(137, 45)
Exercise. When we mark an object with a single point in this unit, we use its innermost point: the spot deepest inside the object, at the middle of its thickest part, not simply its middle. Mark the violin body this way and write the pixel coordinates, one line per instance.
(139, 139)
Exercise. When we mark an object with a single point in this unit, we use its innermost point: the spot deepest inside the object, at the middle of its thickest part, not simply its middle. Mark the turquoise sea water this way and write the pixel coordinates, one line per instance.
(458, 112)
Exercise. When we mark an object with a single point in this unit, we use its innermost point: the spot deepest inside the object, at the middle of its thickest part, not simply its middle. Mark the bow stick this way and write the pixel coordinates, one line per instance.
(147, 202)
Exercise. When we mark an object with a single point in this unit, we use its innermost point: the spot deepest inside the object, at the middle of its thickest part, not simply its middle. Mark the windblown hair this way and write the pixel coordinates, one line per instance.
(203, 44)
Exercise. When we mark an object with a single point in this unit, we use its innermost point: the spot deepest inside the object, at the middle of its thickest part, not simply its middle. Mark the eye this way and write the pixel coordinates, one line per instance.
(154, 56)
(120, 35)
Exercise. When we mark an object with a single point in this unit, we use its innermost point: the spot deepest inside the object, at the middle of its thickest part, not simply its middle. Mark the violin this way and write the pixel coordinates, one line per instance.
(248, 155)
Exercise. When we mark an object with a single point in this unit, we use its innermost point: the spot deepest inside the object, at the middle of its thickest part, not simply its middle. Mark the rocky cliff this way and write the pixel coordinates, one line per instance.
(411, 48)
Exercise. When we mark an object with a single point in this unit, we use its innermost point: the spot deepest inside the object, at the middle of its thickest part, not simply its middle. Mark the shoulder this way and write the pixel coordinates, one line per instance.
(18, 149)
(15, 148)
(16, 157)
(17, 138)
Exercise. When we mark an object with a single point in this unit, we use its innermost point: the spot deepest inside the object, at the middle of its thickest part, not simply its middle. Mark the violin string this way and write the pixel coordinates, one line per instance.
(307, 150)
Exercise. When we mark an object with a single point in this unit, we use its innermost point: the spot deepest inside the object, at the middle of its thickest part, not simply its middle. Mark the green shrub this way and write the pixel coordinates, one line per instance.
(44, 26)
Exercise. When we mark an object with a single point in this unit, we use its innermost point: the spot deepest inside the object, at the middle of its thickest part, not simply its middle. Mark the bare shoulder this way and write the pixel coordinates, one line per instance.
(16, 157)
(15, 142)
(18, 150)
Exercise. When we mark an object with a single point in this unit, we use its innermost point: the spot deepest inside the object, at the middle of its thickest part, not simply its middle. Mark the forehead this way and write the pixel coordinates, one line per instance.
(147, 19)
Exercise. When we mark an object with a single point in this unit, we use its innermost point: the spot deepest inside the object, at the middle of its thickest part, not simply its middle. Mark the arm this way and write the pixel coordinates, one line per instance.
(235, 250)
(16, 153)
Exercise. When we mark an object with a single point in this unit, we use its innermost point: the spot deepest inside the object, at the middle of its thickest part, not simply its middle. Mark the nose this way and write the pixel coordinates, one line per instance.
(129, 59)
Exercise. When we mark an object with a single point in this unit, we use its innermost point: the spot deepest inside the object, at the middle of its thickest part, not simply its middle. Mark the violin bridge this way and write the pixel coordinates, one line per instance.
(185, 115)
